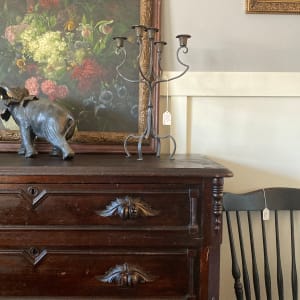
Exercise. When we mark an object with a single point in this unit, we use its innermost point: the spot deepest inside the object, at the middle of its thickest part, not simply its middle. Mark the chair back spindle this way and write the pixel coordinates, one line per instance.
(267, 273)
(236, 273)
(255, 248)
(243, 255)
(294, 268)
(253, 256)
(278, 259)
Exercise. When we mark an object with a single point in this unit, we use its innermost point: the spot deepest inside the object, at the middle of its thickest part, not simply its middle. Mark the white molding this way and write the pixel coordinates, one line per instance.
(234, 84)
(179, 128)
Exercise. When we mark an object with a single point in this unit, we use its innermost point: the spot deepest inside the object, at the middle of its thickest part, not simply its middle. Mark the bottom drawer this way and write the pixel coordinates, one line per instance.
(108, 274)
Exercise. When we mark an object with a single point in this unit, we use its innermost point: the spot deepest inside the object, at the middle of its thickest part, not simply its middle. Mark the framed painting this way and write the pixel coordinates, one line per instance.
(63, 50)
(273, 6)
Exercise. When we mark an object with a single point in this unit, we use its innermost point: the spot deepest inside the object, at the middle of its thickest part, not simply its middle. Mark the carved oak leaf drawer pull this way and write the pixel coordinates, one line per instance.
(128, 208)
(125, 276)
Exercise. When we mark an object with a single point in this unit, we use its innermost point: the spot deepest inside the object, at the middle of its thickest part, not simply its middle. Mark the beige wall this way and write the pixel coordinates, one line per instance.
(225, 38)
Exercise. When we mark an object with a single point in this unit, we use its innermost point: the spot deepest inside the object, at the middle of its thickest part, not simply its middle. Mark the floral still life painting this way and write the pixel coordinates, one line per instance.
(63, 50)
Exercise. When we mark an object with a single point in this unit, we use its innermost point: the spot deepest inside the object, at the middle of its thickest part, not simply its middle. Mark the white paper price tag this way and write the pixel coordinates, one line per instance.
(167, 118)
(266, 214)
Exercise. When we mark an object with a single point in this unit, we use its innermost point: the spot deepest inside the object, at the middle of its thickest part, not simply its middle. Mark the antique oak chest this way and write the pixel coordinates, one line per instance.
(103, 226)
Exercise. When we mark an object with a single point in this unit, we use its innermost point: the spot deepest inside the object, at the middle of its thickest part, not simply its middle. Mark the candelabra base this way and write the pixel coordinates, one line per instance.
(157, 140)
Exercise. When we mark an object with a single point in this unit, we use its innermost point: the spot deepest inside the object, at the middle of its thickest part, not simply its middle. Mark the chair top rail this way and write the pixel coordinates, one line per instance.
(275, 198)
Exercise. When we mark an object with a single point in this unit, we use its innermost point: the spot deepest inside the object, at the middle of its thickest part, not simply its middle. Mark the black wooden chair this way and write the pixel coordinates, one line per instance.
(248, 228)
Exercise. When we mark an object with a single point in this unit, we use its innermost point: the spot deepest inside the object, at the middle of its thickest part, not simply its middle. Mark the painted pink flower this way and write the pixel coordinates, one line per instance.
(49, 87)
(86, 32)
(12, 32)
(54, 91)
(62, 91)
(32, 85)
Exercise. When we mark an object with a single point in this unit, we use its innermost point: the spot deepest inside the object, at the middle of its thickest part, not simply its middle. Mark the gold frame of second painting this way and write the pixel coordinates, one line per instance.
(273, 6)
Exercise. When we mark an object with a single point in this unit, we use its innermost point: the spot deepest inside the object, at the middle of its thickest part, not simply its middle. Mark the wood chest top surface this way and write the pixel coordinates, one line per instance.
(112, 165)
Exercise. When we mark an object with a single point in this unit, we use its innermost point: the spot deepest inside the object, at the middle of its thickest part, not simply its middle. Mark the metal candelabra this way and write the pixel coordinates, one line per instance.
(151, 77)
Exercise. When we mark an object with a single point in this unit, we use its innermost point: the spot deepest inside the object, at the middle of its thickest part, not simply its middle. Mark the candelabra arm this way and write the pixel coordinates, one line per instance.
(140, 142)
(123, 51)
(144, 78)
(160, 69)
(156, 73)
(149, 74)
(141, 72)
(158, 148)
(185, 50)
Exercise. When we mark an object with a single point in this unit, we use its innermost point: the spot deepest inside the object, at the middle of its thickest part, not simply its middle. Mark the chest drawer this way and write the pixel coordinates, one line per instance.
(96, 205)
(124, 274)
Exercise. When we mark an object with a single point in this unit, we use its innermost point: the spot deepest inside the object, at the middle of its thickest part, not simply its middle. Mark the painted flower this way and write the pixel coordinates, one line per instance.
(48, 50)
(49, 87)
(54, 91)
(86, 30)
(47, 4)
(20, 63)
(31, 69)
(88, 74)
(69, 25)
(30, 5)
(79, 55)
(12, 32)
(32, 85)
(62, 91)
(105, 27)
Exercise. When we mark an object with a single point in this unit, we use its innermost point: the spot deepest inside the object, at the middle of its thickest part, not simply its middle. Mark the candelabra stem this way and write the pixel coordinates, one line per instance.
(149, 132)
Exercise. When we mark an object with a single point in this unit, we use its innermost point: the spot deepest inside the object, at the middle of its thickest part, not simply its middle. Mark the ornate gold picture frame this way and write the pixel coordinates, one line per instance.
(106, 108)
(273, 6)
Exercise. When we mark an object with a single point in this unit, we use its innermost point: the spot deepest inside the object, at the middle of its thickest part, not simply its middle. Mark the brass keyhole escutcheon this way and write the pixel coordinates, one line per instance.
(33, 191)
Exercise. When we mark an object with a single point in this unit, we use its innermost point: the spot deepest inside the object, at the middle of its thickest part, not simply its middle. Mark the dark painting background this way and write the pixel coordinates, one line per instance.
(63, 50)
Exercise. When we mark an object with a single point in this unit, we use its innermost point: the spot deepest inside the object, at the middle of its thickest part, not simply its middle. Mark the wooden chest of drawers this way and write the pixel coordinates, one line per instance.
(108, 227)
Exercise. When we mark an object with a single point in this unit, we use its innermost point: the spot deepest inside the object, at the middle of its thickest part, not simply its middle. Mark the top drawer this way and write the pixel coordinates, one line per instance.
(97, 205)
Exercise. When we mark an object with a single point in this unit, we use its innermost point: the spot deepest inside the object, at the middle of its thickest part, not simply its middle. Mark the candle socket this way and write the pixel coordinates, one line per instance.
(120, 41)
(183, 38)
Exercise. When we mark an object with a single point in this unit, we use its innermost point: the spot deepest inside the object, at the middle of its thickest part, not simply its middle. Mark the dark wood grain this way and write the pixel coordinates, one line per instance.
(150, 228)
